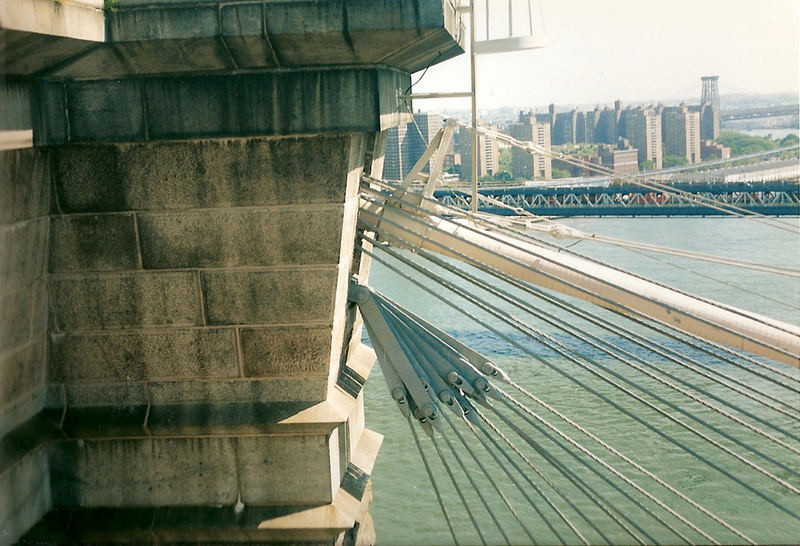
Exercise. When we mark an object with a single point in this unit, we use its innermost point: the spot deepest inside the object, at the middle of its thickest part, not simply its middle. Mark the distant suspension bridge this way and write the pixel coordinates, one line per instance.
(780, 198)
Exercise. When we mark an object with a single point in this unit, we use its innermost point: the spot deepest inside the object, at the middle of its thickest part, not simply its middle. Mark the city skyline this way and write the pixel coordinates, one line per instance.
(635, 51)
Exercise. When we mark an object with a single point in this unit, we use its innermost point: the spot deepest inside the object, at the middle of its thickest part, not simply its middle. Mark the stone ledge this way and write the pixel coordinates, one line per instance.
(291, 102)
(146, 37)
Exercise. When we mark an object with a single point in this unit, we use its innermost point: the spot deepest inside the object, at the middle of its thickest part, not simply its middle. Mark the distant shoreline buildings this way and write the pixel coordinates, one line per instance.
(626, 140)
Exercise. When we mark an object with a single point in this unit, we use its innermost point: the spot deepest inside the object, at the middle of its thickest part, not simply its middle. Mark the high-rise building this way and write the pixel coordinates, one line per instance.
(531, 166)
(563, 127)
(418, 134)
(394, 164)
(643, 130)
(606, 121)
(405, 144)
(709, 121)
(681, 132)
(584, 127)
(488, 153)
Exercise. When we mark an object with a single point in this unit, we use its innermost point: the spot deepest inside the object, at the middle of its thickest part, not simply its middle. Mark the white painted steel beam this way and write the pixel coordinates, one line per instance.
(593, 282)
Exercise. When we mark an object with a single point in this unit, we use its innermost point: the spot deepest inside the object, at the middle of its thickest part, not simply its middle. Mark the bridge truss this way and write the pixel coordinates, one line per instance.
(695, 199)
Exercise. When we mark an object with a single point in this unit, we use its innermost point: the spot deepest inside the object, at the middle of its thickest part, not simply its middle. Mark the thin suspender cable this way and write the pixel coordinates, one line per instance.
(477, 489)
(538, 472)
(485, 472)
(562, 416)
(458, 490)
(556, 463)
(482, 439)
(506, 399)
(433, 481)
(605, 479)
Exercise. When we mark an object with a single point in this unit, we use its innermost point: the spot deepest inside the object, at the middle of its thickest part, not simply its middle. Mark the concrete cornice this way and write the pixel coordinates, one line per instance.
(80, 39)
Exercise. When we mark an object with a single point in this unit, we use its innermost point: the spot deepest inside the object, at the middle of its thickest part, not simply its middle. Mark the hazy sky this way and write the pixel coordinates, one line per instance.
(636, 50)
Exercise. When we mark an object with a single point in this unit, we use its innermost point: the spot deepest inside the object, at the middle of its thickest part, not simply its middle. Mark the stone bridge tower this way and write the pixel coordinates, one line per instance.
(178, 199)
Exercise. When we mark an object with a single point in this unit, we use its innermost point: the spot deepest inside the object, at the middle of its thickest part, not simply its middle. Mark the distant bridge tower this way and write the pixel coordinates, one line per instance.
(709, 109)
(710, 90)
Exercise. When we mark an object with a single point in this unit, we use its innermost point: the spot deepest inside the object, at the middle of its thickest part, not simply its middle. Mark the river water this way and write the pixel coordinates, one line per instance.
(404, 507)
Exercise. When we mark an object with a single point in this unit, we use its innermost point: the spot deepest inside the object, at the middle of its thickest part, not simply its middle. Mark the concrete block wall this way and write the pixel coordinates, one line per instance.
(24, 226)
(194, 286)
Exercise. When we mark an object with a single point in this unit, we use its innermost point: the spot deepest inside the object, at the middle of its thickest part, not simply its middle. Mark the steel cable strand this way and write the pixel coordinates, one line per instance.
(614, 451)
(458, 491)
(589, 492)
(604, 504)
(588, 466)
(571, 329)
(533, 467)
(482, 439)
(494, 237)
(572, 286)
(433, 481)
(588, 452)
(613, 404)
(539, 336)
(511, 405)
(485, 472)
(526, 329)
(477, 489)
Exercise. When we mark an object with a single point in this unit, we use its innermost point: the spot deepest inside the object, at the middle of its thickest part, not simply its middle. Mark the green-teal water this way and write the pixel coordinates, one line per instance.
(405, 509)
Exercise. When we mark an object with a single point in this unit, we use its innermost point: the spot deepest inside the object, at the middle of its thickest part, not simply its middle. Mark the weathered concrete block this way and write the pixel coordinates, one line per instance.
(288, 469)
(22, 371)
(95, 112)
(144, 472)
(23, 251)
(15, 317)
(143, 356)
(24, 495)
(202, 174)
(126, 299)
(269, 297)
(294, 351)
(253, 391)
(24, 185)
(97, 242)
(298, 235)
(40, 309)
